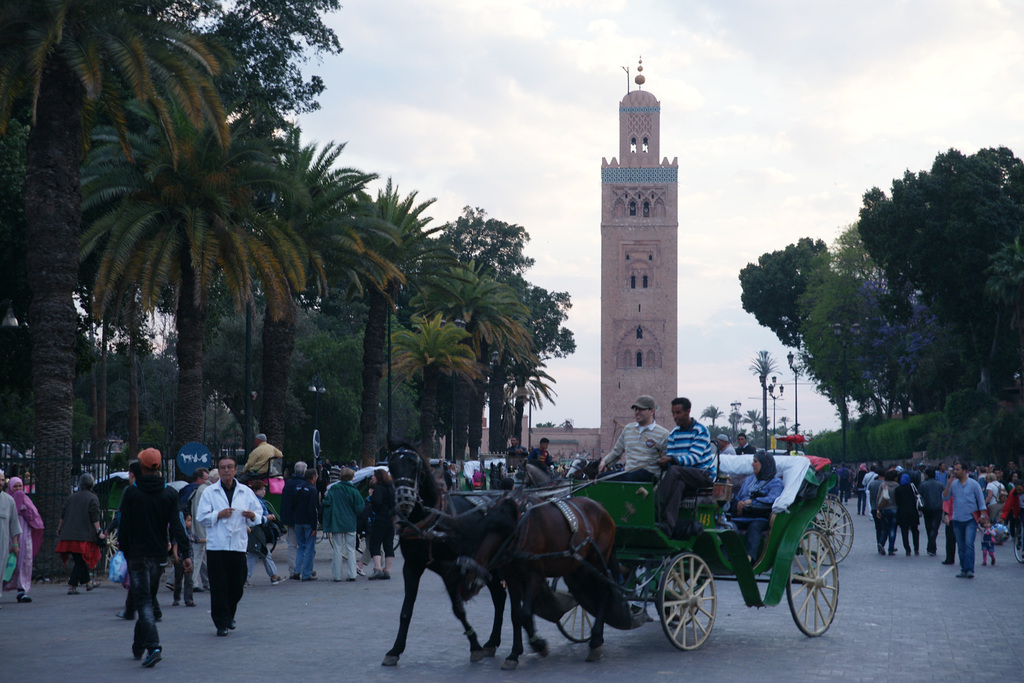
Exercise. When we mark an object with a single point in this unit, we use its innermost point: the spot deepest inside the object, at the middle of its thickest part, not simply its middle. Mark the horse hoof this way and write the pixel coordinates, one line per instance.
(509, 665)
(595, 655)
(477, 655)
(490, 651)
(540, 646)
(390, 660)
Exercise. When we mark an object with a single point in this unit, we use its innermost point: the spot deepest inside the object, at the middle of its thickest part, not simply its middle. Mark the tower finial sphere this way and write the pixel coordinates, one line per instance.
(639, 80)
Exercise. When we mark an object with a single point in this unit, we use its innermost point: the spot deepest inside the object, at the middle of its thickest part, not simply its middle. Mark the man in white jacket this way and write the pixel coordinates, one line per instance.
(227, 510)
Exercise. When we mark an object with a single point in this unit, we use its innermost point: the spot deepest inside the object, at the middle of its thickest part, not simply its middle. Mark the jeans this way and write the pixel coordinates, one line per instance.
(306, 550)
(182, 579)
(268, 564)
(965, 533)
(144, 575)
(862, 501)
(932, 522)
(890, 526)
(344, 550)
(200, 568)
(293, 550)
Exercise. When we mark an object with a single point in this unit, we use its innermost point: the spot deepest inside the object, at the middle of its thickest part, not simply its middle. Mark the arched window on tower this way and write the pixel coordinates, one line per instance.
(645, 146)
(632, 281)
(645, 282)
(639, 333)
(632, 146)
(632, 208)
(647, 209)
(639, 359)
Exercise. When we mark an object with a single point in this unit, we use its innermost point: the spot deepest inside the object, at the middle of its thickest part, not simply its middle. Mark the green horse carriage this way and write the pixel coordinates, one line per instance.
(679, 577)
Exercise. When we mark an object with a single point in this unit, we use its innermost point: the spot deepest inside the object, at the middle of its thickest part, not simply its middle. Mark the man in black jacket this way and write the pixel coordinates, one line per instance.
(148, 510)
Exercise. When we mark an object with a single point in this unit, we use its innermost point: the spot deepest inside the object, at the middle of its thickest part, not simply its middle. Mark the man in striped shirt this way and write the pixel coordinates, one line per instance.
(641, 442)
(690, 463)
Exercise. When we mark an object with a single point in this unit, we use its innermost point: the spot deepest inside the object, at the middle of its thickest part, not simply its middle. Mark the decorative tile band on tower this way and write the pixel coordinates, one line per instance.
(639, 110)
(635, 176)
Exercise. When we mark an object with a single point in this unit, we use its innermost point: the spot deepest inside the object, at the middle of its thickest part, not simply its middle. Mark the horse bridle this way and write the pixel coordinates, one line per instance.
(407, 491)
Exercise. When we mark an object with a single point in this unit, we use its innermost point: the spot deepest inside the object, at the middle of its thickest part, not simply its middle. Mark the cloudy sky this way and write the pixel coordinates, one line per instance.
(782, 115)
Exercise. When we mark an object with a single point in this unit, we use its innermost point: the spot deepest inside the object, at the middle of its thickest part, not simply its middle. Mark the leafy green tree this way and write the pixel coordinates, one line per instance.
(936, 233)
(772, 288)
(72, 59)
(488, 242)
(430, 349)
(1006, 285)
(184, 219)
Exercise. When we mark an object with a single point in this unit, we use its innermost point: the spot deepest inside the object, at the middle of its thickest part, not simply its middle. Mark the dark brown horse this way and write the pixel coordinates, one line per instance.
(528, 542)
(421, 504)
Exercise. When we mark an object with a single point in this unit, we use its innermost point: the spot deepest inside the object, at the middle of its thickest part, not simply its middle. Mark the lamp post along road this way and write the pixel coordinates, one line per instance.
(734, 417)
(771, 392)
(764, 407)
(844, 342)
(791, 357)
(316, 387)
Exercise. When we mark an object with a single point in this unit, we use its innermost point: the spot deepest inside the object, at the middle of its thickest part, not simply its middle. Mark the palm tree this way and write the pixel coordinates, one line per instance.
(530, 384)
(763, 365)
(1006, 285)
(495, 318)
(72, 59)
(712, 413)
(185, 219)
(412, 253)
(332, 248)
(754, 419)
(430, 349)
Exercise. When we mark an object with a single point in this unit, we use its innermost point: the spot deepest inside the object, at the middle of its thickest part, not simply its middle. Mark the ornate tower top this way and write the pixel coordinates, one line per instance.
(639, 80)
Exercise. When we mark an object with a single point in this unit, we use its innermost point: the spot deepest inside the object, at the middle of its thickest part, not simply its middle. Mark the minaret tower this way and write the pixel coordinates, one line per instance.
(639, 254)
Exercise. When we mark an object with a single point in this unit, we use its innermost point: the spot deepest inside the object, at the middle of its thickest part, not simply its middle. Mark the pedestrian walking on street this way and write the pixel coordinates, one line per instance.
(907, 516)
(968, 505)
(148, 510)
(31, 539)
(382, 529)
(342, 506)
(227, 510)
(931, 498)
(79, 534)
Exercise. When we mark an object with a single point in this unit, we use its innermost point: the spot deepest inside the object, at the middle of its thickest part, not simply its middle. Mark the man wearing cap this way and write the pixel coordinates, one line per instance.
(227, 510)
(148, 509)
(689, 464)
(642, 443)
(259, 460)
(724, 445)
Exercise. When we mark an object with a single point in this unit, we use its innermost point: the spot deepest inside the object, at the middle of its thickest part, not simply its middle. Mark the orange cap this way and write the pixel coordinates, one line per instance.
(150, 458)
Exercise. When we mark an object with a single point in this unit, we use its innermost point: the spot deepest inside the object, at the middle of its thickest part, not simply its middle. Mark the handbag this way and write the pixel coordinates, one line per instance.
(118, 568)
(917, 498)
(12, 562)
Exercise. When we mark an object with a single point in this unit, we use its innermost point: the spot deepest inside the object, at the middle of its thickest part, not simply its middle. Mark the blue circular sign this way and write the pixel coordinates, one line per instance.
(192, 456)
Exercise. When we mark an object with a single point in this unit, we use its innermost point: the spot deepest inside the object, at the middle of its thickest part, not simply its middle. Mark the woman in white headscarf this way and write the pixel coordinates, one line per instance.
(31, 539)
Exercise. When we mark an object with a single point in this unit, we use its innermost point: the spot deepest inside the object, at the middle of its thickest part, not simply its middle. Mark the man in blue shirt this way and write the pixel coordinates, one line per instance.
(967, 500)
(689, 463)
(540, 456)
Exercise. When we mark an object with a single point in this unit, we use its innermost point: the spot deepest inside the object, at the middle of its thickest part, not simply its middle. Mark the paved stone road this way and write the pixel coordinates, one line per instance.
(899, 619)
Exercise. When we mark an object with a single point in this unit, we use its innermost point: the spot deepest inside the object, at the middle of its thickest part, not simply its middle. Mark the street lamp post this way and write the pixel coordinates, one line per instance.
(764, 407)
(791, 357)
(734, 417)
(316, 387)
(844, 342)
(775, 397)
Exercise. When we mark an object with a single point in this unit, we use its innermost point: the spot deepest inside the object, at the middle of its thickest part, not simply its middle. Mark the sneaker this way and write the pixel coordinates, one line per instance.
(351, 579)
(73, 590)
(233, 625)
(92, 584)
(189, 603)
(152, 658)
(947, 562)
(881, 549)
(170, 586)
(24, 598)
(970, 575)
(311, 578)
(222, 632)
(386, 576)
(360, 571)
(200, 589)
(249, 584)
(275, 579)
(295, 577)
(125, 615)
(376, 575)
(175, 603)
(963, 575)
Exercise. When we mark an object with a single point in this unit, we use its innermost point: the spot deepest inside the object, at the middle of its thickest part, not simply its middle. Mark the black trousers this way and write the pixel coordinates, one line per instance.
(932, 522)
(950, 544)
(227, 583)
(145, 576)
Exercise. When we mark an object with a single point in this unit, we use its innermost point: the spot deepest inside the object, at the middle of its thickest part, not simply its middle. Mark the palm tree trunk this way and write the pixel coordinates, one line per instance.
(520, 410)
(463, 396)
(133, 394)
(191, 326)
(477, 398)
(428, 411)
(53, 204)
(101, 409)
(278, 344)
(373, 370)
(496, 409)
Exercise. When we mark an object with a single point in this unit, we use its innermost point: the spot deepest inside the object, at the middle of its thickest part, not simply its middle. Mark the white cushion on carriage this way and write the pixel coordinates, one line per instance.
(792, 469)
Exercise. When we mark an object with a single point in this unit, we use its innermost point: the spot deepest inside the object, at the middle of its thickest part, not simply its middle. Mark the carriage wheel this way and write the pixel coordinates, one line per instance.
(1018, 542)
(687, 601)
(813, 588)
(835, 523)
(575, 624)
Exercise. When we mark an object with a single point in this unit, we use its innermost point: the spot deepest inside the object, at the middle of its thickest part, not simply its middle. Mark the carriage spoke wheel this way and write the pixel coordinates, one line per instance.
(687, 601)
(577, 623)
(813, 588)
(1018, 542)
(836, 525)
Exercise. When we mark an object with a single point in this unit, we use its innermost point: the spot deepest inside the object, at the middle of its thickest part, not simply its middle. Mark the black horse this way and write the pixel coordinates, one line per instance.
(421, 505)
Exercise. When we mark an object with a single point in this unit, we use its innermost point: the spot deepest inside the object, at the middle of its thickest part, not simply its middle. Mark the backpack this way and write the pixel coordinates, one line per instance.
(185, 497)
